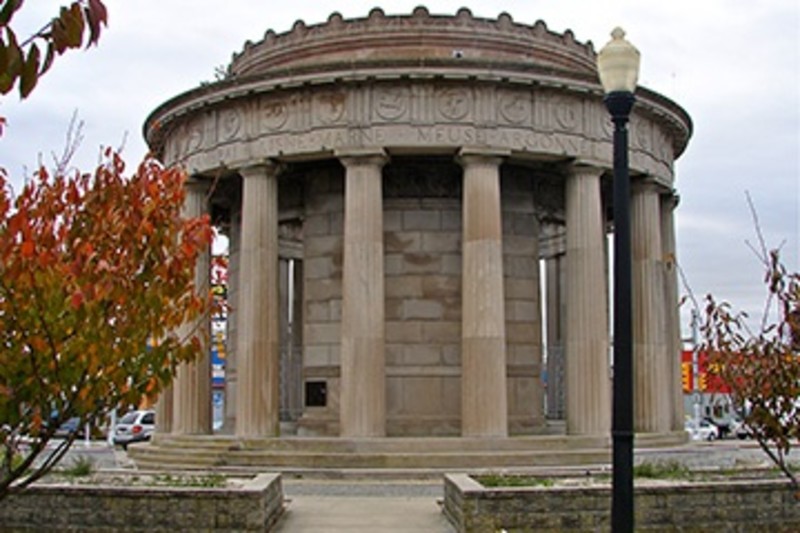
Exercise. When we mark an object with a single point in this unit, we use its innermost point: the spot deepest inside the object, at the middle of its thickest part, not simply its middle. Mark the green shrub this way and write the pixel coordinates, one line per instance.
(502, 480)
(81, 466)
(662, 470)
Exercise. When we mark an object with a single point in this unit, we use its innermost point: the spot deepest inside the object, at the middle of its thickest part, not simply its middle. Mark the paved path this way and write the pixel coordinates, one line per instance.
(326, 506)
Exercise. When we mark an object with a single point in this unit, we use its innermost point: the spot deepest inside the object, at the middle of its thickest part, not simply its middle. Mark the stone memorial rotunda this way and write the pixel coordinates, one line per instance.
(418, 209)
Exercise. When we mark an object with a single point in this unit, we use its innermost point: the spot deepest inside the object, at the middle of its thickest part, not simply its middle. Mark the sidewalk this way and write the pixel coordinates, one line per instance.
(324, 514)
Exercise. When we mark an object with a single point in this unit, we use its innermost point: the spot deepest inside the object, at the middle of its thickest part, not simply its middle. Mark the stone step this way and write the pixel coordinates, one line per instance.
(289, 454)
(383, 445)
(158, 457)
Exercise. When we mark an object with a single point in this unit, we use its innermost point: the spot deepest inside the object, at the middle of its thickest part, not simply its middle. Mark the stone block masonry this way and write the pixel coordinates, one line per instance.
(751, 505)
(255, 506)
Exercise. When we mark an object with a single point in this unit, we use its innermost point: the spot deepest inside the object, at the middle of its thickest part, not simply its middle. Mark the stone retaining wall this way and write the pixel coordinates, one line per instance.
(752, 505)
(256, 506)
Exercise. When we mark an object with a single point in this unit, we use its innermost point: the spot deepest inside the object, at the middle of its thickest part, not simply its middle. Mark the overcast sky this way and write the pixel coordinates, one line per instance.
(734, 65)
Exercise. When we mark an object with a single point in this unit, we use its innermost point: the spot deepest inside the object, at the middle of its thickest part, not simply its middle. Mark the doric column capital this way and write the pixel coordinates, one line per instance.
(670, 199)
(646, 185)
(351, 157)
(480, 155)
(266, 168)
(196, 201)
(581, 170)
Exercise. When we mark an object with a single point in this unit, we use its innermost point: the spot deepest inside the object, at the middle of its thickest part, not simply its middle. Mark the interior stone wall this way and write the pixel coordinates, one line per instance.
(422, 261)
(323, 227)
(422, 239)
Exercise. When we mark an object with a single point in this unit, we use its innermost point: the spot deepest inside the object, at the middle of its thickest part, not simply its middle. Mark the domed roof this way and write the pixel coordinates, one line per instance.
(419, 39)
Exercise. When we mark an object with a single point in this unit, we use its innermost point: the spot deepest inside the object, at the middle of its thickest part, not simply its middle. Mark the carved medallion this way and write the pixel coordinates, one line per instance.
(230, 124)
(391, 103)
(454, 103)
(567, 114)
(194, 136)
(274, 114)
(514, 107)
(641, 134)
(328, 107)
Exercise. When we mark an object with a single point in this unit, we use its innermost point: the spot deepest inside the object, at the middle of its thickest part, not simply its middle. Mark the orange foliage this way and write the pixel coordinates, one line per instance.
(93, 266)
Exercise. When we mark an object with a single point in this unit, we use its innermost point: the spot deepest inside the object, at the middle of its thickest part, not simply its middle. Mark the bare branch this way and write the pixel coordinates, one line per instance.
(74, 138)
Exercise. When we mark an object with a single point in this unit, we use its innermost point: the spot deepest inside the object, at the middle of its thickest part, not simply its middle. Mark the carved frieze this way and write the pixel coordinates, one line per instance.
(414, 114)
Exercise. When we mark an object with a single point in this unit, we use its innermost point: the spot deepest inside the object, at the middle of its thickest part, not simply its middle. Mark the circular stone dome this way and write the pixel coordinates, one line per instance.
(419, 39)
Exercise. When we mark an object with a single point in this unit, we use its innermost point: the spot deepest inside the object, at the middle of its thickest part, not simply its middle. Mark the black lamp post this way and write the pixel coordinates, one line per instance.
(618, 66)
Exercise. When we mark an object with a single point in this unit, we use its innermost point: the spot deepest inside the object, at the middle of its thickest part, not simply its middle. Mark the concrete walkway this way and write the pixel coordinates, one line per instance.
(362, 506)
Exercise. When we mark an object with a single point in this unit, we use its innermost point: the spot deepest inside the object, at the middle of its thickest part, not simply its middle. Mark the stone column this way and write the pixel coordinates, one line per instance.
(192, 385)
(257, 357)
(674, 345)
(554, 276)
(484, 402)
(652, 376)
(363, 361)
(164, 411)
(587, 347)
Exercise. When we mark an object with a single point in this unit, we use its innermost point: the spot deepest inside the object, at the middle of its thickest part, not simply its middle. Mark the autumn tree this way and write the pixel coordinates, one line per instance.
(762, 367)
(27, 60)
(96, 278)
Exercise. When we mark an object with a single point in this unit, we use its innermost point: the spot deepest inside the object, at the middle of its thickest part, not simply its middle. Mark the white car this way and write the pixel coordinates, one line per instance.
(704, 431)
(135, 426)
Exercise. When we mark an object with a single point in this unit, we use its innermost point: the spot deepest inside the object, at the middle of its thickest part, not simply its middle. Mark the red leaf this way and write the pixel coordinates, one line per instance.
(76, 300)
(96, 15)
(30, 72)
(27, 249)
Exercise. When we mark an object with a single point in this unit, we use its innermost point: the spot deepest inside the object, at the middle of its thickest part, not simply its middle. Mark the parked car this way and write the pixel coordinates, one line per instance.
(135, 426)
(704, 431)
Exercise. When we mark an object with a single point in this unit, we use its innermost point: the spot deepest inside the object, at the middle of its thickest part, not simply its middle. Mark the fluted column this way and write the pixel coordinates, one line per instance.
(652, 375)
(484, 402)
(554, 276)
(257, 357)
(164, 411)
(674, 345)
(586, 345)
(192, 386)
(363, 361)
